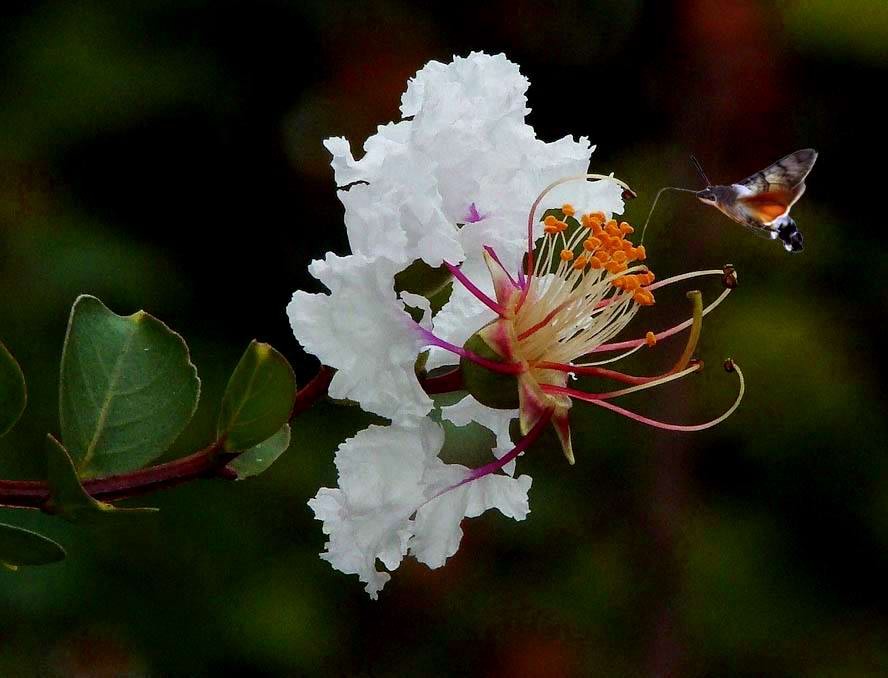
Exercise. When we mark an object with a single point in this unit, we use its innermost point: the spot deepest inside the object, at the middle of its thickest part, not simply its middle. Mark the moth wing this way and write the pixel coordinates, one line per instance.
(787, 173)
(767, 207)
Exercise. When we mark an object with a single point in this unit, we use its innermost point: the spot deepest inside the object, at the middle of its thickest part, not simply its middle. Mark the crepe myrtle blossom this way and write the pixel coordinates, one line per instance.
(533, 297)
(579, 286)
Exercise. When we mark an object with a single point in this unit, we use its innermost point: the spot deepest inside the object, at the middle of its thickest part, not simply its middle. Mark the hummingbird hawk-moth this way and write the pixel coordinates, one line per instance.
(762, 202)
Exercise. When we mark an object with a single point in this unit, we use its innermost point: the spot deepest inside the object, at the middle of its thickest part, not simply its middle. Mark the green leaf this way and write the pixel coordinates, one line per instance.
(127, 390)
(257, 459)
(67, 498)
(19, 546)
(13, 393)
(258, 398)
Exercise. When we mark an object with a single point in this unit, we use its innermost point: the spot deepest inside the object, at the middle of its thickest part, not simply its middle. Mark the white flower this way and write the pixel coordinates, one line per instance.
(453, 184)
(362, 329)
(395, 497)
(467, 157)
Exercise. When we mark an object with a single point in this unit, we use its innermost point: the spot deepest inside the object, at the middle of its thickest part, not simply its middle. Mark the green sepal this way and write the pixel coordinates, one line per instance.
(490, 388)
(19, 547)
(13, 391)
(258, 399)
(259, 458)
(67, 498)
(127, 388)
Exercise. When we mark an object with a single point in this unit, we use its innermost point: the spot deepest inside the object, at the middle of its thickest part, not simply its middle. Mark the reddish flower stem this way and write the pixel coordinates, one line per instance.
(210, 462)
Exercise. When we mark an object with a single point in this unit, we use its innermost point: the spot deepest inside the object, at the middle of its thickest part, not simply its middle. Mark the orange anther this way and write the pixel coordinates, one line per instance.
(567, 255)
(568, 209)
(551, 230)
(580, 263)
(650, 338)
(612, 228)
(614, 267)
(599, 217)
(626, 228)
(595, 263)
(602, 256)
(620, 257)
(615, 242)
(550, 220)
(642, 255)
(630, 282)
(643, 298)
(591, 244)
(560, 225)
(627, 246)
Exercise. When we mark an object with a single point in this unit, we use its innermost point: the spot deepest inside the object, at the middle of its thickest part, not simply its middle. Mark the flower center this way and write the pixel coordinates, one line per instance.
(584, 289)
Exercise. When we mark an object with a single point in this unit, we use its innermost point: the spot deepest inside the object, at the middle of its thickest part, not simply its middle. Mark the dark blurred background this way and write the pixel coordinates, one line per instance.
(167, 156)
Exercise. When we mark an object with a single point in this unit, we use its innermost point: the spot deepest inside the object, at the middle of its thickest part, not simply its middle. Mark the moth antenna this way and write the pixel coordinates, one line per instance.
(700, 170)
(656, 199)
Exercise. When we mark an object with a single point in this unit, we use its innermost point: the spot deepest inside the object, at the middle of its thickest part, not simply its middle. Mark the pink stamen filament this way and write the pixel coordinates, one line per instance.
(495, 466)
(542, 323)
(471, 287)
(675, 427)
(502, 368)
(639, 386)
(633, 343)
(596, 372)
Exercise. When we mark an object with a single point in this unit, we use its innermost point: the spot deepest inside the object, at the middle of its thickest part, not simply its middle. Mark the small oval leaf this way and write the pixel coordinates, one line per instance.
(258, 398)
(19, 546)
(67, 498)
(128, 388)
(257, 459)
(13, 392)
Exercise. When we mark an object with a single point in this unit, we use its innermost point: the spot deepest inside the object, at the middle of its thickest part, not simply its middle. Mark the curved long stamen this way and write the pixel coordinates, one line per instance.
(592, 397)
(590, 371)
(501, 367)
(677, 427)
(670, 281)
(471, 287)
(634, 343)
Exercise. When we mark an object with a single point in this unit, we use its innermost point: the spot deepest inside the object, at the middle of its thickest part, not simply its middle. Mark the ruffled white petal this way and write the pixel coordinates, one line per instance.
(467, 143)
(437, 526)
(386, 503)
(362, 330)
(381, 484)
